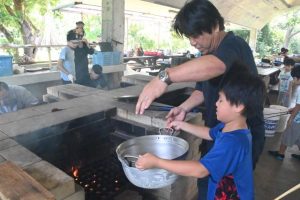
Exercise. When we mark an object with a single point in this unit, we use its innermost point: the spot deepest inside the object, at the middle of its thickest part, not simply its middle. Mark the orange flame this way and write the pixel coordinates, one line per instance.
(75, 171)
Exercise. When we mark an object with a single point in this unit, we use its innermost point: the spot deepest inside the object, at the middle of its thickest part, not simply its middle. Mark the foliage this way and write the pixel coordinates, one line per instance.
(179, 43)
(245, 34)
(268, 41)
(20, 20)
(136, 38)
(93, 25)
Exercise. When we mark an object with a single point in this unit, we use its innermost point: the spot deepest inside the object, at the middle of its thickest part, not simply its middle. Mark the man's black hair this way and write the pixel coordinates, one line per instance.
(289, 61)
(241, 87)
(196, 17)
(97, 69)
(295, 73)
(3, 86)
(79, 22)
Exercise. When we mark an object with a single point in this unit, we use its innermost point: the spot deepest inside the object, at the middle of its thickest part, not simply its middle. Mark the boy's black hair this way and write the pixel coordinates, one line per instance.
(242, 87)
(196, 17)
(71, 35)
(97, 69)
(289, 61)
(3, 86)
(295, 73)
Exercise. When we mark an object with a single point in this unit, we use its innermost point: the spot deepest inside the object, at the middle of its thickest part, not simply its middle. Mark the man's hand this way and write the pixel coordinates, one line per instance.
(176, 114)
(71, 78)
(151, 91)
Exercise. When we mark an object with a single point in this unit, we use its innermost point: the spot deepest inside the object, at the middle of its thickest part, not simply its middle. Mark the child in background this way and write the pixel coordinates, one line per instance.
(291, 136)
(229, 163)
(97, 77)
(285, 83)
(66, 61)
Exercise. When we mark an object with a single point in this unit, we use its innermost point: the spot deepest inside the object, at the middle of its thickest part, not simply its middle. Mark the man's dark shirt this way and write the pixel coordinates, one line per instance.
(232, 49)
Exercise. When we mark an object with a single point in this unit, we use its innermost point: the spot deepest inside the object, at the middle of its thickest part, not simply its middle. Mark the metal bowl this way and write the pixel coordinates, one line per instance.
(163, 146)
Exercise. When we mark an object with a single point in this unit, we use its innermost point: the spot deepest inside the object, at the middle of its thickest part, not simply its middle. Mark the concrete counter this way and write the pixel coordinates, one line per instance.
(77, 102)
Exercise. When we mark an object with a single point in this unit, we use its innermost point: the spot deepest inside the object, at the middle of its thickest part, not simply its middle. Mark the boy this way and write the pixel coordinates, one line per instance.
(97, 77)
(291, 136)
(285, 86)
(228, 164)
(66, 63)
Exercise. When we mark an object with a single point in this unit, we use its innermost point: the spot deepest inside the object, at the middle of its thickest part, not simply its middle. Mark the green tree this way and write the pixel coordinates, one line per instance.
(245, 34)
(268, 41)
(17, 22)
(136, 37)
(290, 23)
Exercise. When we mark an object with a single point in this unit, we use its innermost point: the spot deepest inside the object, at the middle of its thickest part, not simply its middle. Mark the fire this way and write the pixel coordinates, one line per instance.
(75, 171)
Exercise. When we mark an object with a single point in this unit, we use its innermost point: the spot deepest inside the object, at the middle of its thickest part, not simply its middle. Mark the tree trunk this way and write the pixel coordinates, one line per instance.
(288, 36)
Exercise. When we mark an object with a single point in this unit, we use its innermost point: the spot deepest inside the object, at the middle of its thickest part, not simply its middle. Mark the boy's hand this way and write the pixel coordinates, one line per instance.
(146, 161)
(177, 114)
(71, 78)
(177, 125)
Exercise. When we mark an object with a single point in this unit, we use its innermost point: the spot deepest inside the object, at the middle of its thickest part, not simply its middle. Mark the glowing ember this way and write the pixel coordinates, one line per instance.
(75, 171)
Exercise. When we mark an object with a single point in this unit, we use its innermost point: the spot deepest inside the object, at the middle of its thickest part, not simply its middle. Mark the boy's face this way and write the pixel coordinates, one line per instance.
(73, 43)
(287, 68)
(93, 75)
(225, 111)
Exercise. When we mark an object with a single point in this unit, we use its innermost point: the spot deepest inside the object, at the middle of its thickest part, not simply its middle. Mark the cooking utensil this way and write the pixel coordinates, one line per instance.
(160, 108)
(127, 98)
(163, 146)
(130, 160)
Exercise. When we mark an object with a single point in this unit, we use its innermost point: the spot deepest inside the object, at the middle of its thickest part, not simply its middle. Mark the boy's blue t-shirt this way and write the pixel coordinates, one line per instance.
(230, 155)
(67, 56)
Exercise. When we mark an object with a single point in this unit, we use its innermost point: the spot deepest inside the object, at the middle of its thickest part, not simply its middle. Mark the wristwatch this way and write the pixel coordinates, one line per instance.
(163, 76)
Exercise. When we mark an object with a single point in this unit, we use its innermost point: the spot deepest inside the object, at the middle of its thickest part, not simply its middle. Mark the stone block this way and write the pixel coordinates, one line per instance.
(7, 143)
(3, 136)
(20, 156)
(2, 159)
(143, 119)
(78, 195)
(21, 114)
(53, 179)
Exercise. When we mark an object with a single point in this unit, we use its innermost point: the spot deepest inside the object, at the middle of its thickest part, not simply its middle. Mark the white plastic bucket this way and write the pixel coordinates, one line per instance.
(270, 122)
(281, 126)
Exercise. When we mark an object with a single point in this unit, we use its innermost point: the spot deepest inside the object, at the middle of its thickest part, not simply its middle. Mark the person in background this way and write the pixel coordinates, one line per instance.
(97, 77)
(81, 62)
(14, 98)
(229, 162)
(203, 25)
(78, 31)
(291, 136)
(285, 83)
(66, 61)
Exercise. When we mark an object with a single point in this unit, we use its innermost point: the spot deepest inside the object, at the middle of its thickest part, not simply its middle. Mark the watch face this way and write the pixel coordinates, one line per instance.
(162, 74)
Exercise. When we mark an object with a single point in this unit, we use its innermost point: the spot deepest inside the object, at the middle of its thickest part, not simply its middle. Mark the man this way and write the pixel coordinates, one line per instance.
(13, 98)
(78, 32)
(203, 25)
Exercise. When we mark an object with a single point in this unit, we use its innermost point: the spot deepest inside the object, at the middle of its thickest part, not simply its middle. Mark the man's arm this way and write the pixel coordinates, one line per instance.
(198, 69)
(194, 100)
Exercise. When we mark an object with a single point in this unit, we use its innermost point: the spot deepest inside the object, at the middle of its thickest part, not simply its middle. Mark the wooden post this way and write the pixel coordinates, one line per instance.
(49, 57)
